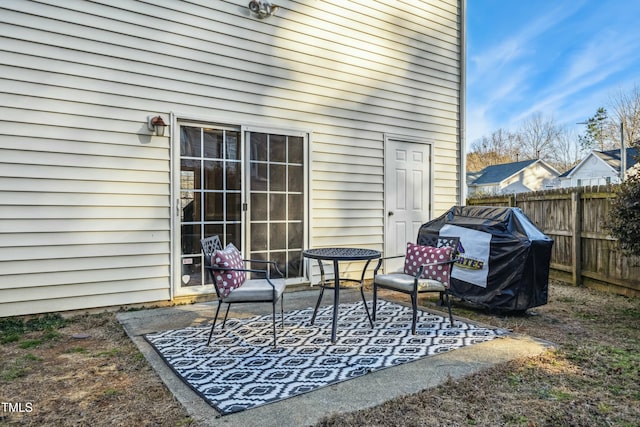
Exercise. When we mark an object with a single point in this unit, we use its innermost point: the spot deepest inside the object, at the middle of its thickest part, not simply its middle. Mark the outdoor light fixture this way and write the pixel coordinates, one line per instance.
(156, 124)
(263, 8)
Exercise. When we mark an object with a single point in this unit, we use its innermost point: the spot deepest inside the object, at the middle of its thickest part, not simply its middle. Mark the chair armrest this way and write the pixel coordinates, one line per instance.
(248, 270)
(391, 257)
(380, 260)
(261, 261)
(266, 272)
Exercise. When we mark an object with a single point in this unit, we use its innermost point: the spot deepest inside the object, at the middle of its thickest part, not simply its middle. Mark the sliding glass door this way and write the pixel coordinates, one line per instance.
(276, 199)
(246, 187)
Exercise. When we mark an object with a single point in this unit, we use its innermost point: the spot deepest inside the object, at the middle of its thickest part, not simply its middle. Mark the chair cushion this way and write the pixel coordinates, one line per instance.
(418, 255)
(228, 280)
(404, 283)
(257, 290)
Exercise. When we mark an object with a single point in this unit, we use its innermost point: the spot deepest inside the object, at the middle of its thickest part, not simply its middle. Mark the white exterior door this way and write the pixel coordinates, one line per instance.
(407, 197)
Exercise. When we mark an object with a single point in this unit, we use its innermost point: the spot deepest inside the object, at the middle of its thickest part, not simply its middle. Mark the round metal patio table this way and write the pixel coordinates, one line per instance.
(336, 255)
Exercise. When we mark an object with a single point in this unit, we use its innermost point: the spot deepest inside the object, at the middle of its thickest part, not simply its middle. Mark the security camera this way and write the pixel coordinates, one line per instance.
(254, 6)
(262, 8)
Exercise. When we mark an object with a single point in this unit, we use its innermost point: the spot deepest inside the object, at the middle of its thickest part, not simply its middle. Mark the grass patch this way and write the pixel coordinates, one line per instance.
(30, 343)
(46, 322)
(32, 357)
(514, 379)
(559, 395)
(12, 329)
(10, 337)
(51, 335)
(110, 392)
(13, 371)
(587, 315)
(138, 357)
(631, 313)
(109, 353)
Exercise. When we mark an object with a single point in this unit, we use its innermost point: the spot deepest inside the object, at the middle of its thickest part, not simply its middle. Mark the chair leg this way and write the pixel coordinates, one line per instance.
(364, 301)
(313, 318)
(214, 322)
(273, 312)
(446, 294)
(375, 300)
(225, 315)
(282, 311)
(414, 306)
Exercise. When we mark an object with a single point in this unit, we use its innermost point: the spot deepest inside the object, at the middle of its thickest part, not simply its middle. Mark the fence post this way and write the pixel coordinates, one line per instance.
(576, 209)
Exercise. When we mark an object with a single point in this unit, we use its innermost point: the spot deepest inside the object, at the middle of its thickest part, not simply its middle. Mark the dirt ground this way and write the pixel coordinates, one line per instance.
(82, 372)
(85, 371)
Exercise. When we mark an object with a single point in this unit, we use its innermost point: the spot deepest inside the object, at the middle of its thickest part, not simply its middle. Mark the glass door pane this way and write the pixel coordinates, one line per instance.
(210, 194)
(276, 199)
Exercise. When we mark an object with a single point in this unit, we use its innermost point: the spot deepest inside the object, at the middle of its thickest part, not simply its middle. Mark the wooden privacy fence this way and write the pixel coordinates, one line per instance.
(593, 258)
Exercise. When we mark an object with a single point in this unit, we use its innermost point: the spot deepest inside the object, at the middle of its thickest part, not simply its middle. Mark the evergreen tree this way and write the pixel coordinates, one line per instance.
(595, 136)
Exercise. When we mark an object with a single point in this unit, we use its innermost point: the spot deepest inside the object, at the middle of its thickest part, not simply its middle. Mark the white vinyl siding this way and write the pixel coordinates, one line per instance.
(77, 226)
(85, 190)
(591, 171)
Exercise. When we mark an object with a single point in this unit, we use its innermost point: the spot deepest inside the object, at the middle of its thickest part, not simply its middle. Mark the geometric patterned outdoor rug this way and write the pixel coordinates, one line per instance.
(240, 369)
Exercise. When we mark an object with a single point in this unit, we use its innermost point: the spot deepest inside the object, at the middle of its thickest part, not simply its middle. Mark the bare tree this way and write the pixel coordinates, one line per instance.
(566, 151)
(540, 137)
(626, 107)
(537, 135)
(499, 147)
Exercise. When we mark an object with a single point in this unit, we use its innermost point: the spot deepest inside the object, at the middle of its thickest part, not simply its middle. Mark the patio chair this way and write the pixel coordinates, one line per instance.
(427, 268)
(230, 277)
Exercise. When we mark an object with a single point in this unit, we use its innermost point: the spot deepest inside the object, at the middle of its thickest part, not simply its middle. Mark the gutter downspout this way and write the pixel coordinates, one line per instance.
(463, 103)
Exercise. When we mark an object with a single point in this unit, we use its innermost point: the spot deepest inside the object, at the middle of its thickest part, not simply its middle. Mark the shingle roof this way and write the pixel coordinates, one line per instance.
(612, 157)
(498, 173)
(564, 175)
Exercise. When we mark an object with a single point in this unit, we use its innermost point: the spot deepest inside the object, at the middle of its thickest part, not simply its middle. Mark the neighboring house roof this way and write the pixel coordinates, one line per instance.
(610, 157)
(498, 173)
(472, 176)
(567, 173)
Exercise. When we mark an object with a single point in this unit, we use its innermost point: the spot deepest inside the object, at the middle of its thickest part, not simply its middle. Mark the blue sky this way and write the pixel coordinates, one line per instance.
(561, 58)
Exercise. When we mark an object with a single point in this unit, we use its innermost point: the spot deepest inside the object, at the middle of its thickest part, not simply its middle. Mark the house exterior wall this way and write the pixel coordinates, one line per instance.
(85, 189)
(592, 171)
(534, 178)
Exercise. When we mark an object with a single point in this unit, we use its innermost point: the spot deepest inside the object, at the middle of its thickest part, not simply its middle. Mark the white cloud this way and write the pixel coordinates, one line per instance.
(565, 63)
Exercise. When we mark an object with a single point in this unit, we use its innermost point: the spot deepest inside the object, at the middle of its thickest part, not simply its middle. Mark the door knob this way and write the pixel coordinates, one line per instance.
(390, 213)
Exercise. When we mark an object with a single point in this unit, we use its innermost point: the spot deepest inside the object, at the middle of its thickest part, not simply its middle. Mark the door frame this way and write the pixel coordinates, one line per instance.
(246, 228)
(393, 138)
(177, 120)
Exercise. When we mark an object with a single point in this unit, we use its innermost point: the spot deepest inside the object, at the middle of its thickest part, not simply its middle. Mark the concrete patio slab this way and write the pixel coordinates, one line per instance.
(307, 409)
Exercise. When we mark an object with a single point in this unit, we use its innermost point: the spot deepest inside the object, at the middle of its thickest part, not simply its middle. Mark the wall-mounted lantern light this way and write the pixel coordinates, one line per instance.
(263, 8)
(156, 124)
